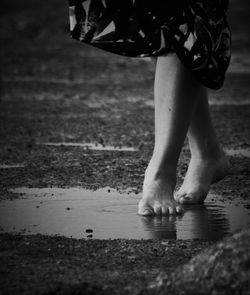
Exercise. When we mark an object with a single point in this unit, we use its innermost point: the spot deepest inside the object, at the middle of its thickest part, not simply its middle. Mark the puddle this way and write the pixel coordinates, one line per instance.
(100, 147)
(32, 79)
(233, 152)
(3, 166)
(228, 102)
(91, 146)
(214, 101)
(105, 214)
(238, 152)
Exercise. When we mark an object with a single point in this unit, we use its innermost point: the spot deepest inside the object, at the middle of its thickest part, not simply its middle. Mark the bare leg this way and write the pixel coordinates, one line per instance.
(176, 93)
(208, 163)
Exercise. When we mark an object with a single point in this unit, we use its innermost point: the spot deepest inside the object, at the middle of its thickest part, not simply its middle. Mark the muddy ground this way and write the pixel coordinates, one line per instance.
(54, 89)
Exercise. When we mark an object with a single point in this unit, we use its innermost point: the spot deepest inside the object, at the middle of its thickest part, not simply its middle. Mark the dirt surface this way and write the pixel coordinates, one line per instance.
(40, 264)
(54, 89)
(222, 269)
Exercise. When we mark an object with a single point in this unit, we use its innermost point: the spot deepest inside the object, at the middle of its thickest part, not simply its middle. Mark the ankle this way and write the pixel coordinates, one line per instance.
(158, 171)
(206, 151)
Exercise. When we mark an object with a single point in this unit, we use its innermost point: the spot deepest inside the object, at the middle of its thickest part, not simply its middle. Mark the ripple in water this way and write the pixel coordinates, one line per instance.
(108, 214)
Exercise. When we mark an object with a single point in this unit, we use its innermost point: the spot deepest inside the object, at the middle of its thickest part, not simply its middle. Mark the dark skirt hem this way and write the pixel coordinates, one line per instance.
(197, 31)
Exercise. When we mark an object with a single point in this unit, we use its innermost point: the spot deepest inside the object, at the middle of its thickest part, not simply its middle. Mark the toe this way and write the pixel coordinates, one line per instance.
(179, 210)
(186, 199)
(190, 199)
(171, 210)
(177, 196)
(144, 209)
(197, 196)
(164, 210)
(157, 209)
(145, 212)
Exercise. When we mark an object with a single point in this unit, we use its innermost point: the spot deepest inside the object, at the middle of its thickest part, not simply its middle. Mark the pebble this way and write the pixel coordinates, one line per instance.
(183, 246)
(166, 243)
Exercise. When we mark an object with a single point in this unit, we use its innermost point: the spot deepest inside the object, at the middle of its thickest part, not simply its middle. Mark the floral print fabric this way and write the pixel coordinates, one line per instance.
(196, 30)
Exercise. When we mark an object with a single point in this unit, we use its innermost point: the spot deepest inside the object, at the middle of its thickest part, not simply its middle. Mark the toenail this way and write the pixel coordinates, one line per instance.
(181, 200)
(165, 211)
(171, 211)
(158, 211)
(179, 210)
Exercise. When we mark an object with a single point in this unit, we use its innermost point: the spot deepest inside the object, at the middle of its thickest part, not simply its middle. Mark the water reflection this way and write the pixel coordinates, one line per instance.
(199, 222)
(208, 221)
(160, 227)
(108, 214)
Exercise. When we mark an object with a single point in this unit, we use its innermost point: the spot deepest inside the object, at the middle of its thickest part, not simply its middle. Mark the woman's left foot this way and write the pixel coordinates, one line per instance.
(202, 172)
(157, 196)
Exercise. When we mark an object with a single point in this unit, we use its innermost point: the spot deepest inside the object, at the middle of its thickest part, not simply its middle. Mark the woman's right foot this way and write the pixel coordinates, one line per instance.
(201, 173)
(157, 196)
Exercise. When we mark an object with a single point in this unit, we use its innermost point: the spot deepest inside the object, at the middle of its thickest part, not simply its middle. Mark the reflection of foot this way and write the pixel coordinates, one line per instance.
(202, 172)
(161, 227)
(157, 195)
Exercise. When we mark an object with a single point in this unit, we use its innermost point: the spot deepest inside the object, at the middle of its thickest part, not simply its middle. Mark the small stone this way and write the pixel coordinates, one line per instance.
(141, 146)
(164, 243)
(183, 246)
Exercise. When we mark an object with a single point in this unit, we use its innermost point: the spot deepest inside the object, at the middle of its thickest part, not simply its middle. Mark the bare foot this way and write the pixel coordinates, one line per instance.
(157, 197)
(202, 172)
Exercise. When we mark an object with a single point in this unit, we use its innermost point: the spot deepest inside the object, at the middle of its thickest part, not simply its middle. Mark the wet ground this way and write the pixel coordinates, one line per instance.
(77, 118)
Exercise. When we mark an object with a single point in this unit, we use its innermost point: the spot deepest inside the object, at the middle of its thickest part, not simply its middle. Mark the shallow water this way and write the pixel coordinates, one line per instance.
(5, 166)
(105, 214)
(99, 147)
(92, 146)
(238, 152)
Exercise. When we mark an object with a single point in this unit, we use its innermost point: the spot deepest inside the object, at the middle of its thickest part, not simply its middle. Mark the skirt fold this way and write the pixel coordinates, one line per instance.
(196, 30)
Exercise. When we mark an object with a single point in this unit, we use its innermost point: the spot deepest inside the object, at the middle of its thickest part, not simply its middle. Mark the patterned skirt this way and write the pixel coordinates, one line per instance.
(196, 30)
